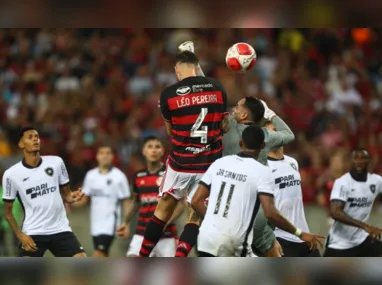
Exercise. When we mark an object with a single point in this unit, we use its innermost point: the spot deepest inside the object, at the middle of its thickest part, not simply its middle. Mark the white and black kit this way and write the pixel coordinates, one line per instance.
(45, 220)
(106, 191)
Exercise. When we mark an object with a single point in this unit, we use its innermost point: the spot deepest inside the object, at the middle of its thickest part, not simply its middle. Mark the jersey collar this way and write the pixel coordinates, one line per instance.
(358, 177)
(110, 169)
(275, 159)
(245, 155)
(29, 166)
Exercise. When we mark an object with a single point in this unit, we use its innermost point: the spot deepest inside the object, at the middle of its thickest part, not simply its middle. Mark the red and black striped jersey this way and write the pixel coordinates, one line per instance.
(146, 191)
(195, 107)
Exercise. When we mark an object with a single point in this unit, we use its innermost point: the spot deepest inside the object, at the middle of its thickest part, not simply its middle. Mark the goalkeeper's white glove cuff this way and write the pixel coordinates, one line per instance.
(268, 113)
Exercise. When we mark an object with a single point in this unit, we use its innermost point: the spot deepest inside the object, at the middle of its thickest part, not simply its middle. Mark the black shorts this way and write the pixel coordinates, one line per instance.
(103, 243)
(205, 254)
(297, 249)
(369, 248)
(63, 244)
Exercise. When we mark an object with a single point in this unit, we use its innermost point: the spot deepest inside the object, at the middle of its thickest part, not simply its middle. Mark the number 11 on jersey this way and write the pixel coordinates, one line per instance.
(229, 198)
(200, 132)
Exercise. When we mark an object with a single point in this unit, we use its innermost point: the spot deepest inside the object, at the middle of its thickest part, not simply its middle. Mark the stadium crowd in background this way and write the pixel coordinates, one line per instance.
(81, 87)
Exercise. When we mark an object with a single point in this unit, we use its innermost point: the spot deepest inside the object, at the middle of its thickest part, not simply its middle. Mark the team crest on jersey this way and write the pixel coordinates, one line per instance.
(159, 181)
(108, 182)
(183, 90)
(49, 171)
(372, 188)
(293, 166)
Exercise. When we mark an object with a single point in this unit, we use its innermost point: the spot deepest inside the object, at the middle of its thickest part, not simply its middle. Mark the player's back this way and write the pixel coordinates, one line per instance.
(195, 107)
(233, 202)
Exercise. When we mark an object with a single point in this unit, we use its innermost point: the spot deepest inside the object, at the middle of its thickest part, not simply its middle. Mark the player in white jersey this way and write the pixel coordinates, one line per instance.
(235, 186)
(288, 200)
(351, 202)
(41, 183)
(107, 189)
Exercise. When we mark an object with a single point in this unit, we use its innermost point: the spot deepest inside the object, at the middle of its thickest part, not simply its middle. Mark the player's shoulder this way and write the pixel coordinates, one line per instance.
(290, 160)
(92, 171)
(375, 177)
(118, 172)
(51, 159)
(14, 170)
(141, 173)
(344, 178)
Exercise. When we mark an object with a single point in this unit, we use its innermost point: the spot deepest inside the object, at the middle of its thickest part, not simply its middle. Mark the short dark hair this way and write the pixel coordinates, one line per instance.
(255, 108)
(186, 57)
(360, 149)
(25, 129)
(151, 138)
(253, 137)
(105, 145)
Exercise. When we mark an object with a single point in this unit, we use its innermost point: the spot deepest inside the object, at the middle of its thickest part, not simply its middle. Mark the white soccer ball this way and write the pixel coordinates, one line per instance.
(240, 57)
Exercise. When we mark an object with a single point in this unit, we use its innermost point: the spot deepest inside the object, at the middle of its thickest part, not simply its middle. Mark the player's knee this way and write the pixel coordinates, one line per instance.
(165, 208)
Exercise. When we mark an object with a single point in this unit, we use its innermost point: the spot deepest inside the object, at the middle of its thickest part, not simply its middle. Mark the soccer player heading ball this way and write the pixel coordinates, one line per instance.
(193, 110)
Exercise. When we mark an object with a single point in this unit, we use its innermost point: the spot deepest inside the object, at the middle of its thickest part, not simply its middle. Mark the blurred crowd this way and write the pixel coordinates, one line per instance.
(85, 87)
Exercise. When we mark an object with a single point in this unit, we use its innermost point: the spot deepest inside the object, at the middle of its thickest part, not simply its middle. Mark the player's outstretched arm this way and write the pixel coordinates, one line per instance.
(337, 212)
(283, 134)
(278, 220)
(189, 46)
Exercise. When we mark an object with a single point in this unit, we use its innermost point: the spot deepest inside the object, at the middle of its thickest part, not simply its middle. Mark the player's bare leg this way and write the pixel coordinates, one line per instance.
(189, 236)
(274, 251)
(154, 230)
(98, 253)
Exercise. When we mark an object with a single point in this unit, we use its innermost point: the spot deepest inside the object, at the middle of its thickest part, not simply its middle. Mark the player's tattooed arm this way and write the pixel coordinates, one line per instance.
(130, 207)
(224, 125)
(275, 217)
(337, 212)
(168, 128)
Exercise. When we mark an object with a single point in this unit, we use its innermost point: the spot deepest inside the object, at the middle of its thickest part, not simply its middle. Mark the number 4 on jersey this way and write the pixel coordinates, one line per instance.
(200, 132)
